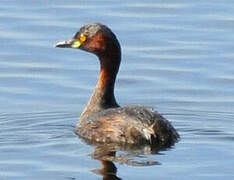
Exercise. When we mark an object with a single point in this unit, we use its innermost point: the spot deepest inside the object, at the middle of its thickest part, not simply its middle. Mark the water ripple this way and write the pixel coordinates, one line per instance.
(177, 57)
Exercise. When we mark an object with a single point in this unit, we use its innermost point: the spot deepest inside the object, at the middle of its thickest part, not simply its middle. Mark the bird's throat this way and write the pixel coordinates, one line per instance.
(103, 96)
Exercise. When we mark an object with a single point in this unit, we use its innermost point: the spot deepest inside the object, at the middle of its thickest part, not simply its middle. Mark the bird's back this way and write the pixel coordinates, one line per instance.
(128, 125)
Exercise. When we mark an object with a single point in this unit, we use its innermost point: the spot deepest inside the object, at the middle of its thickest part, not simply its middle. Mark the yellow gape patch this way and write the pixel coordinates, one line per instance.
(76, 44)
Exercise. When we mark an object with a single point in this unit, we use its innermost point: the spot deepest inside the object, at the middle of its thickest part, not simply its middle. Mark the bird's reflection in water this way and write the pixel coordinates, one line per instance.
(129, 155)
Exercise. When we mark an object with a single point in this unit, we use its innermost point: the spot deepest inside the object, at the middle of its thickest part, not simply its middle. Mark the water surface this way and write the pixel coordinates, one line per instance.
(177, 57)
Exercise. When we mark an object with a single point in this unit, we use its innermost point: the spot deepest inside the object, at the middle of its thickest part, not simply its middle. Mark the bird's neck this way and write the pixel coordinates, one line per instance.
(103, 96)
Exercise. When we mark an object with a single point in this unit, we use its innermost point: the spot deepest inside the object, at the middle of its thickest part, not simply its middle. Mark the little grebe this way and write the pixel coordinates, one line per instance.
(103, 120)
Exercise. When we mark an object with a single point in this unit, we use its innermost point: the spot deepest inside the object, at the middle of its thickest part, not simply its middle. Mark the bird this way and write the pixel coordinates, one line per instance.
(103, 120)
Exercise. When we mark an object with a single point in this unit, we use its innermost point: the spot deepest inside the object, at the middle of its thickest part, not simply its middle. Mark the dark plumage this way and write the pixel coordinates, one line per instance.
(103, 120)
(128, 125)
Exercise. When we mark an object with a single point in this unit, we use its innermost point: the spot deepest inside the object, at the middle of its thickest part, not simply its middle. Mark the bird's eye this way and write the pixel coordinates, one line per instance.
(83, 38)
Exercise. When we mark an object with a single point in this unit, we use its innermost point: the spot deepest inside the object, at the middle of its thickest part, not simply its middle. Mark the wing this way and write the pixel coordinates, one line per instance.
(129, 124)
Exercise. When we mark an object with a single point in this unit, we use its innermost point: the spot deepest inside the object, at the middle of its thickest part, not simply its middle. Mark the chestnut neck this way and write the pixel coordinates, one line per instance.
(103, 96)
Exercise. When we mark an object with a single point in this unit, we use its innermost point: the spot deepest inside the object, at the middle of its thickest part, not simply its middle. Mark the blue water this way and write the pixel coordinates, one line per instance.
(177, 56)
